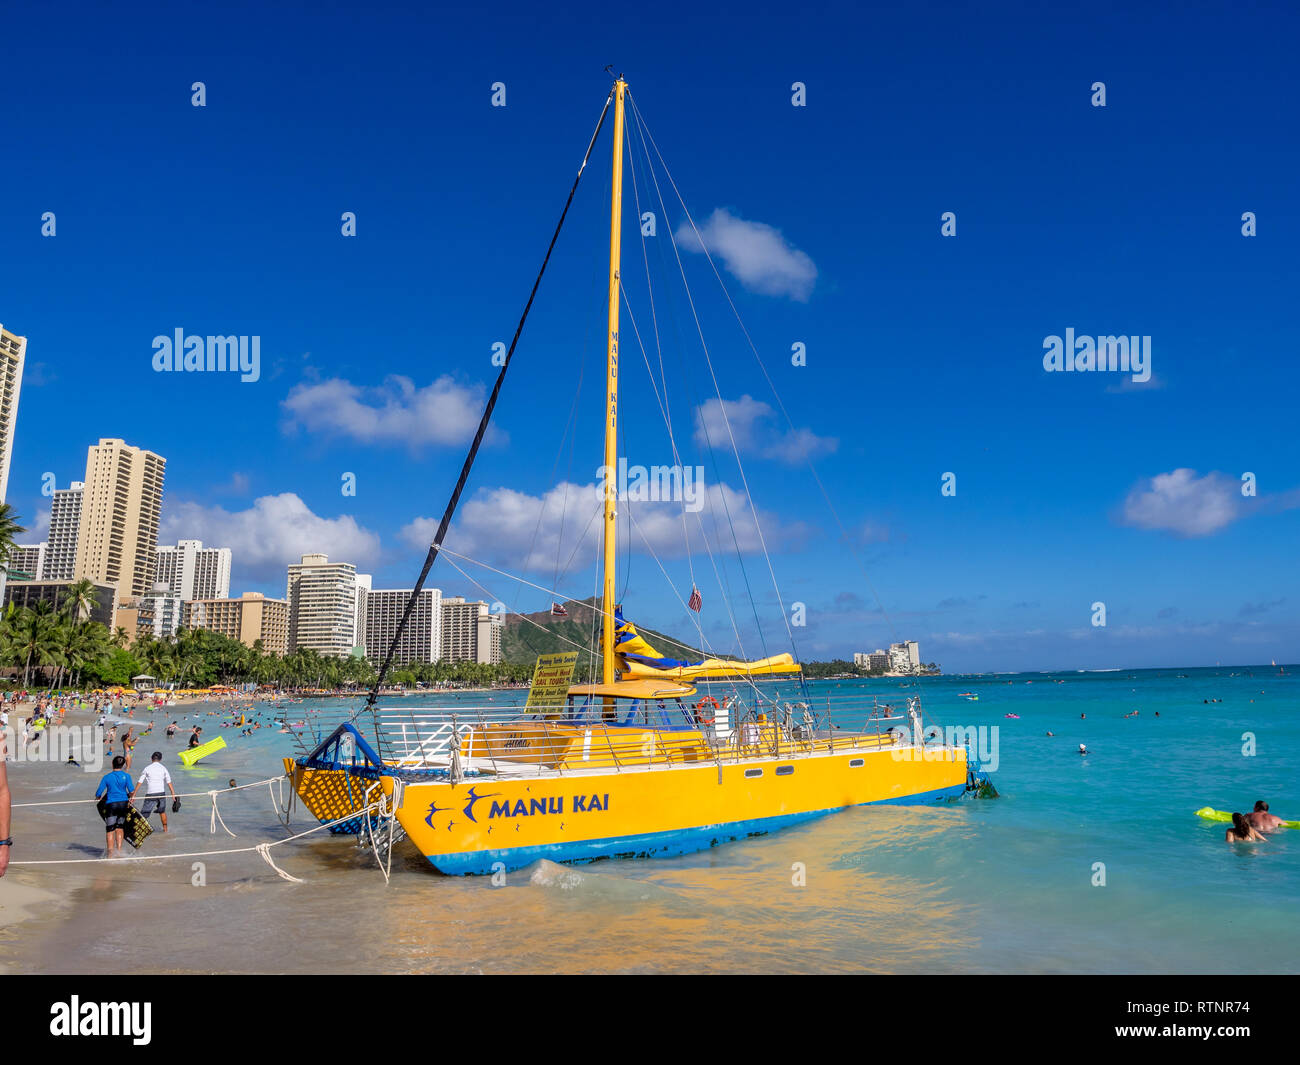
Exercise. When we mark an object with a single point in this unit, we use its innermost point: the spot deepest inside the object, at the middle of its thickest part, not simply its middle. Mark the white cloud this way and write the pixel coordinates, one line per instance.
(39, 530)
(872, 532)
(273, 532)
(238, 485)
(750, 422)
(756, 253)
(1181, 503)
(395, 412)
(500, 526)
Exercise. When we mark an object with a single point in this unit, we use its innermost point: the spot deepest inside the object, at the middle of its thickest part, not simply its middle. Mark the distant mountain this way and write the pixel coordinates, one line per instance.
(528, 635)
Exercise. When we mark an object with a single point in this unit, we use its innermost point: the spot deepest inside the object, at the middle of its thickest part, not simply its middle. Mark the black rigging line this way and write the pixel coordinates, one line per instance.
(436, 546)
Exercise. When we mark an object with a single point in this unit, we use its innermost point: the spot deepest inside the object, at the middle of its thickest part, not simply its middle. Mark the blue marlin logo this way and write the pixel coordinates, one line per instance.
(469, 809)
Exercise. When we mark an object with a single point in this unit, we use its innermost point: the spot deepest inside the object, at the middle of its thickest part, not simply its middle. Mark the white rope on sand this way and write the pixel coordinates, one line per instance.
(264, 849)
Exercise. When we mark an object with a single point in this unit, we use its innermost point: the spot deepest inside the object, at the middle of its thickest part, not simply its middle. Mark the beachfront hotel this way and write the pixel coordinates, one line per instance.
(249, 618)
(29, 593)
(359, 613)
(192, 571)
(120, 509)
(26, 562)
(422, 639)
(160, 613)
(13, 351)
(324, 598)
(65, 523)
(902, 658)
(470, 631)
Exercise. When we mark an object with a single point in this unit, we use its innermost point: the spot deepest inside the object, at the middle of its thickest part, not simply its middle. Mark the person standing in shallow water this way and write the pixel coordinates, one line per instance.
(116, 788)
(1261, 820)
(1242, 832)
(153, 780)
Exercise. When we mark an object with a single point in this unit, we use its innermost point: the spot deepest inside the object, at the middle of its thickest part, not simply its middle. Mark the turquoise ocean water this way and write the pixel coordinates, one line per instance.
(1005, 885)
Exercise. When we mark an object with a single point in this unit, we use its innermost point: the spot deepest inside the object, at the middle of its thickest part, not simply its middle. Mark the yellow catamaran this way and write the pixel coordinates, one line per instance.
(640, 762)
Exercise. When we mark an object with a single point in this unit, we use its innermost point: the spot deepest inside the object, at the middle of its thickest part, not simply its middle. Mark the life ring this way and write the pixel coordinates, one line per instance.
(699, 707)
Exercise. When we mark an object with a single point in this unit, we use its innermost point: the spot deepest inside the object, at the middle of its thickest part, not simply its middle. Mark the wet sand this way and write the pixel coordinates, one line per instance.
(75, 899)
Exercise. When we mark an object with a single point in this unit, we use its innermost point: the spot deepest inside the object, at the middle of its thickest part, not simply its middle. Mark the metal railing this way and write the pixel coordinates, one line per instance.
(645, 735)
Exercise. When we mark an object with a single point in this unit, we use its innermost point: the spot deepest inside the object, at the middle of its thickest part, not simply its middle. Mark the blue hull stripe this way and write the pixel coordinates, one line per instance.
(655, 844)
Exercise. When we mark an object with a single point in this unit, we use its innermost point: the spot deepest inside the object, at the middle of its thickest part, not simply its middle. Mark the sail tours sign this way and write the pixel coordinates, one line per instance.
(551, 679)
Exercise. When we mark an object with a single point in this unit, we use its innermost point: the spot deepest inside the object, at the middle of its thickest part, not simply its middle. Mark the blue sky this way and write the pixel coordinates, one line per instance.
(924, 352)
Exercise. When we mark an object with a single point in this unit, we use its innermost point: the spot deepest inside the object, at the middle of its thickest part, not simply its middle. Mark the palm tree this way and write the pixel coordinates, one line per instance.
(10, 530)
(120, 637)
(79, 599)
(160, 657)
(188, 652)
(34, 638)
(91, 647)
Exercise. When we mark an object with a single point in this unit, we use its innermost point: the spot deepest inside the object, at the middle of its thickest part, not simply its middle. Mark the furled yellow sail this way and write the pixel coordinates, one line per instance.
(716, 667)
(637, 658)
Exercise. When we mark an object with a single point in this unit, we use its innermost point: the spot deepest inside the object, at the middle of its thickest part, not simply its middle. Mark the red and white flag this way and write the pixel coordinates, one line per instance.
(558, 611)
(695, 602)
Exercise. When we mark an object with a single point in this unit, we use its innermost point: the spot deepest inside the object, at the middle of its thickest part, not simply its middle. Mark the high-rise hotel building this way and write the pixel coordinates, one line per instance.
(470, 631)
(324, 598)
(13, 350)
(193, 571)
(65, 524)
(27, 562)
(422, 639)
(120, 509)
(249, 618)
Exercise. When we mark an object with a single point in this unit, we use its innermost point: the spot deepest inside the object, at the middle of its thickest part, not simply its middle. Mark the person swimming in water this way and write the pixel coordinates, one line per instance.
(1261, 820)
(1241, 831)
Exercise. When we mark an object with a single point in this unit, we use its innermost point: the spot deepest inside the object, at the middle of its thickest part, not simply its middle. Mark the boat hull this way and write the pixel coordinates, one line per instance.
(335, 797)
(493, 824)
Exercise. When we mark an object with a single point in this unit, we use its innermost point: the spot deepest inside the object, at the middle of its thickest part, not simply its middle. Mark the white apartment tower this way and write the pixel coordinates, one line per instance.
(422, 640)
(160, 613)
(323, 597)
(905, 657)
(193, 571)
(61, 543)
(28, 559)
(13, 351)
(364, 581)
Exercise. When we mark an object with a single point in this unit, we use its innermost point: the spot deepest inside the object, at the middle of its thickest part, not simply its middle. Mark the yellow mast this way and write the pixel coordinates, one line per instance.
(611, 394)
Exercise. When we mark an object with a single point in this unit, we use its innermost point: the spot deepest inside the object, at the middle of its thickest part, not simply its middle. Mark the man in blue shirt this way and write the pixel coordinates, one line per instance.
(116, 788)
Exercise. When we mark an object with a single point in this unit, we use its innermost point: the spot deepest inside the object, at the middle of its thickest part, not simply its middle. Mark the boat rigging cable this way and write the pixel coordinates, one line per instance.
(640, 126)
(844, 534)
(436, 545)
